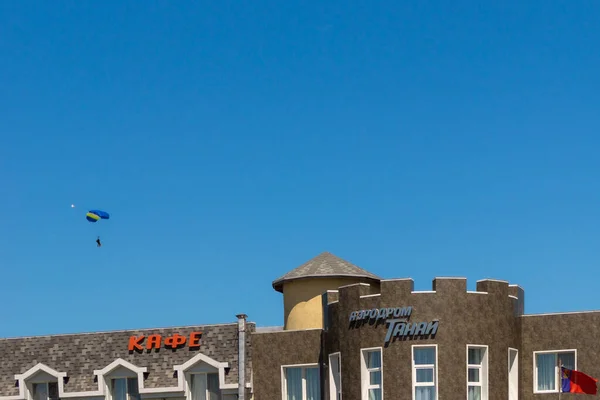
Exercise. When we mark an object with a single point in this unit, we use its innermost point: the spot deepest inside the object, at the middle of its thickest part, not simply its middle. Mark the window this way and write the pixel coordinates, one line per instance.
(424, 372)
(546, 368)
(124, 389)
(335, 377)
(372, 382)
(45, 391)
(205, 386)
(301, 383)
(477, 372)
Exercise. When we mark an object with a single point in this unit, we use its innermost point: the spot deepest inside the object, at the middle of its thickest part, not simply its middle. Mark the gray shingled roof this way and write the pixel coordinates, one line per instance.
(324, 265)
(80, 354)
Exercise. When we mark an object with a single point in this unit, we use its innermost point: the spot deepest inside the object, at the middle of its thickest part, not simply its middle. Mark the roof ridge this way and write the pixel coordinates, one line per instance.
(116, 331)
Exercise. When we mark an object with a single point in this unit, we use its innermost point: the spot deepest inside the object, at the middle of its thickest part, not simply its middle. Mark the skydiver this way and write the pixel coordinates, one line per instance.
(98, 241)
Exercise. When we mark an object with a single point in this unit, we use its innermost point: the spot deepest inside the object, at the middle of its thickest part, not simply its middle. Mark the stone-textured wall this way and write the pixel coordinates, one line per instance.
(274, 349)
(579, 331)
(489, 317)
(80, 354)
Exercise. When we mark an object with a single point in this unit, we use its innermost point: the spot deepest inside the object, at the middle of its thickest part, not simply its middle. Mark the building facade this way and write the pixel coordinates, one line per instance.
(380, 339)
(204, 362)
(347, 334)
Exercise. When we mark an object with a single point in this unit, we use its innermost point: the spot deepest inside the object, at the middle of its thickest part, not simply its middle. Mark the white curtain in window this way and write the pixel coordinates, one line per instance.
(293, 378)
(546, 371)
(567, 360)
(119, 391)
(425, 355)
(424, 375)
(374, 394)
(425, 393)
(313, 384)
(374, 359)
(214, 393)
(475, 355)
(474, 393)
(132, 388)
(473, 375)
(40, 391)
(199, 387)
(375, 377)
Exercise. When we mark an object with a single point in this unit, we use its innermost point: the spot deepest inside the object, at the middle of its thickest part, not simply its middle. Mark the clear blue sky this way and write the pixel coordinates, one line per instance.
(233, 141)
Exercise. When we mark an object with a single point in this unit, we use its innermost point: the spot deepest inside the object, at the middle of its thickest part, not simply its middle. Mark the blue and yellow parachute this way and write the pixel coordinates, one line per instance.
(96, 215)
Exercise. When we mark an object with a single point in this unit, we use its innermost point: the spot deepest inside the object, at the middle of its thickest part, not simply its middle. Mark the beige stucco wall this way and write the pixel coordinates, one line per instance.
(303, 307)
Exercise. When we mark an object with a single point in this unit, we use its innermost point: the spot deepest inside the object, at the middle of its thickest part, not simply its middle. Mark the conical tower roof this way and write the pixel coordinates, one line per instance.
(322, 266)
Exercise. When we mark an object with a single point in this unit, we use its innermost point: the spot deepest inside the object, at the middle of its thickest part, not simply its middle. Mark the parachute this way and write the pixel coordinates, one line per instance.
(96, 215)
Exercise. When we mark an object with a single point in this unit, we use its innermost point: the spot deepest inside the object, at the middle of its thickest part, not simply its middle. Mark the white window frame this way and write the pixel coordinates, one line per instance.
(414, 368)
(556, 381)
(366, 372)
(333, 395)
(483, 371)
(516, 351)
(304, 368)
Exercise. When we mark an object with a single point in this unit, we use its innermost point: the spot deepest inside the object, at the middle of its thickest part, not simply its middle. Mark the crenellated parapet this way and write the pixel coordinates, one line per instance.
(331, 296)
(353, 293)
(493, 287)
(403, 288)
(449, 285)
(518, 294)
(409, 313)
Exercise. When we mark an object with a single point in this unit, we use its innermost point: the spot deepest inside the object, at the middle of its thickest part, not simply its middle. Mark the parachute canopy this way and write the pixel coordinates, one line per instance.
(95, 215)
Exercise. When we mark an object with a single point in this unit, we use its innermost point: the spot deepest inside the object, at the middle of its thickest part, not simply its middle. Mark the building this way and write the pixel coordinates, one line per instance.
(346, 333)
(177, 363)
(355, 336)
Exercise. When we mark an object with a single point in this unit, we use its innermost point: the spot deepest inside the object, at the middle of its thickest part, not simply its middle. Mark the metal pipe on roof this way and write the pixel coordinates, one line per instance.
(241, 356)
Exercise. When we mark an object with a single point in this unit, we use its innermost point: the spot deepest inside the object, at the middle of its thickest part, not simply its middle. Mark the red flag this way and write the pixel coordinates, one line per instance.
(578, 382)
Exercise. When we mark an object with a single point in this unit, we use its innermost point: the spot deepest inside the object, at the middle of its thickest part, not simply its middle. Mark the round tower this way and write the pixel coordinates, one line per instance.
(303, 287)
